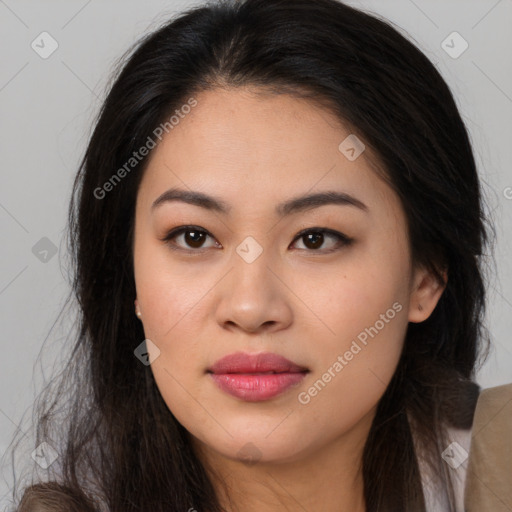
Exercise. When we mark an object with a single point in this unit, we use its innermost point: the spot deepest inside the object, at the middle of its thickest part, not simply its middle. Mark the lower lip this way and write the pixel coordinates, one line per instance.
(256, 388)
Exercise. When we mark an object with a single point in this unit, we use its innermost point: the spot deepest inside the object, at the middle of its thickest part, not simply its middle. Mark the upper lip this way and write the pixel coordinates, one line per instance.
(242, 362)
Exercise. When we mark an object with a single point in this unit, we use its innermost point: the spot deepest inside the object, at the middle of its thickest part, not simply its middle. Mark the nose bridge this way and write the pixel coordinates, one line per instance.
(253, 296)
(251, 260)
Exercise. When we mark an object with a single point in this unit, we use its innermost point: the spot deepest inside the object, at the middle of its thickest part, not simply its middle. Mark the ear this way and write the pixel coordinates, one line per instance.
(425, 294)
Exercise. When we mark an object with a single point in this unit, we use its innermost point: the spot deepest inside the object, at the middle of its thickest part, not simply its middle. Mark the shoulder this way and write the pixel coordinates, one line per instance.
(489, 473)
(493, 400)
(454, 455)
(445, 484)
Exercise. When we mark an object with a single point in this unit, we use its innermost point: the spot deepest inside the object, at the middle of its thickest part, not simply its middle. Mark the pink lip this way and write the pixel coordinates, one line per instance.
(245, 375)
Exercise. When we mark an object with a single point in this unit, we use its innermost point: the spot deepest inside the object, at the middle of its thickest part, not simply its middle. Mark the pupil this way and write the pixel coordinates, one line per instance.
(317, 239)
(194, 242)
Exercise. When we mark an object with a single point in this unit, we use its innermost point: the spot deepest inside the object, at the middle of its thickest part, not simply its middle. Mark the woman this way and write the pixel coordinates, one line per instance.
(285, 192)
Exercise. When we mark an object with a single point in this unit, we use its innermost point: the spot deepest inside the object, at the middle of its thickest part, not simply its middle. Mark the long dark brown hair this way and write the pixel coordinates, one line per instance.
(120, 448)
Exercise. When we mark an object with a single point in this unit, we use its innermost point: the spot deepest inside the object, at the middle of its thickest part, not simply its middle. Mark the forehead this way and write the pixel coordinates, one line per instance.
(251, 146)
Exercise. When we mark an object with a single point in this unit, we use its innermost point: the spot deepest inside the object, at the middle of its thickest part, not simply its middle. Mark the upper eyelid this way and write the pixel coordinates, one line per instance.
(181, 229)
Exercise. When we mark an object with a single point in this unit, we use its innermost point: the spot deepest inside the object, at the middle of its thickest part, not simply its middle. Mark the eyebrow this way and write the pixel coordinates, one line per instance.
(297, 204)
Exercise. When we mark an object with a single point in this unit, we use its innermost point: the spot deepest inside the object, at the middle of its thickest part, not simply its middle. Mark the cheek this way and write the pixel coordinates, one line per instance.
(168, 292)
(367, 333)
(172, 303)
(364, 316)
(172, 321)
(354, 297)
(353, 368)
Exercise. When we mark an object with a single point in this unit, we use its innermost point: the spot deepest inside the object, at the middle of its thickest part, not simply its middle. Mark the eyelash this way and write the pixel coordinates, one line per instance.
(343, 240)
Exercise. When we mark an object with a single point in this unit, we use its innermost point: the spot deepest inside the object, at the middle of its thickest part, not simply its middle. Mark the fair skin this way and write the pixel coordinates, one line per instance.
(296, 299)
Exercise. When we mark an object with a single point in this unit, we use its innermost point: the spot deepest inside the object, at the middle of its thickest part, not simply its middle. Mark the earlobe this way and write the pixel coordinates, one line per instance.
(427, 291)
(137, 309)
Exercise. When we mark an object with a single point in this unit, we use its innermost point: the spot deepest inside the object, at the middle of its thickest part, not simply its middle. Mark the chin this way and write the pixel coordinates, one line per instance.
(258, 447)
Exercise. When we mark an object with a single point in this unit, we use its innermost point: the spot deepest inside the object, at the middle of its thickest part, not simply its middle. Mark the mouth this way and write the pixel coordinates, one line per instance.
(256, 377)
(262, 363)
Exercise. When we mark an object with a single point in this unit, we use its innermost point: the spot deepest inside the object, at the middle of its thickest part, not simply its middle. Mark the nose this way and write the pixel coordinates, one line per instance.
(254, 297)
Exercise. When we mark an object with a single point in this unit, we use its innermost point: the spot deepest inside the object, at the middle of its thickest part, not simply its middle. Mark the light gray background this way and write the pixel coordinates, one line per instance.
(48, 106)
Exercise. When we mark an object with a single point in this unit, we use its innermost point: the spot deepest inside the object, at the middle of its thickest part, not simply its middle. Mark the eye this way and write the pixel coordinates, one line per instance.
(193, 236)
(193, 239)
(315, 237)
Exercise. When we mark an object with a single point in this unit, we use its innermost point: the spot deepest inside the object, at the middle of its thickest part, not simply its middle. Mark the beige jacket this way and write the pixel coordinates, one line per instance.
(489, 473)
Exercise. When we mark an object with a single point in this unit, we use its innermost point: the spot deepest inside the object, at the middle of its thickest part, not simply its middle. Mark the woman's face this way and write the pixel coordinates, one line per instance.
(241, 280)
